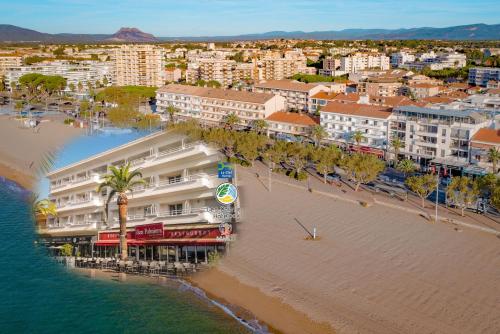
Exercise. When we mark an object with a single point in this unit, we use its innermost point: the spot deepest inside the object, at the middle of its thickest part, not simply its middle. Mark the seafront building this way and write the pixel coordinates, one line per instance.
(482, 141)
(290, 125)
(297, 94)
(439, 136)
(178, 199)
(140, 65)
(211, 106)
(342, 120)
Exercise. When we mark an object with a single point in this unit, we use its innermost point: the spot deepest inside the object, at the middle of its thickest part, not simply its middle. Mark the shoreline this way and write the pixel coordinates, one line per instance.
(243, 316)
(23, 180)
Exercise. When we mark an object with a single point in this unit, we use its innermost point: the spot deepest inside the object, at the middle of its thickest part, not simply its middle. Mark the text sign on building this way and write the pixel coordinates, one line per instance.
(225, 170)
(150, 231)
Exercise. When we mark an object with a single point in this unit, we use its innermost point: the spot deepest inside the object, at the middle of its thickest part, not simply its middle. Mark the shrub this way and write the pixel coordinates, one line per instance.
(67, 250)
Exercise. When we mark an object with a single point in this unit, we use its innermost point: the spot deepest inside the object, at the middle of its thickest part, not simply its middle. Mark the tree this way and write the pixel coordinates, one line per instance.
(422, 185)
(495, 196)
(318, 133)
(171, 110)
(326, 158)
(105, 81)
(84, 106)
(406, 166)
(462, 192)
(72, 87)
(121, 181)
(250, 145)
(494, 157)
(2, 83)
(80, 86)
(297, 155)
(123, 116)
(362, 168)
(276, 153)
(231, 120)
(259, 125)
(358, 137)
(224, 139)
(44, 207)
(397, 145)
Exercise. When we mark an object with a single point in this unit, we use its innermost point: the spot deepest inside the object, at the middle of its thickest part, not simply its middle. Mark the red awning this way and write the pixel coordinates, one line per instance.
(161, 242)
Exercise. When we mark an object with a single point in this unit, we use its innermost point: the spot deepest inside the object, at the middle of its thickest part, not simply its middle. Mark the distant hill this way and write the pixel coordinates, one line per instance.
(10, 33)
(131, 35)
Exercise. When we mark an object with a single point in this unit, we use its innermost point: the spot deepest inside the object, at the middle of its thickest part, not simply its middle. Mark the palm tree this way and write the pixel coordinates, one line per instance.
(318, 133)
(494, 157)
(397, 145)
(44, 207)
(406, 166)
(120, 181)
(259, 125)
(171, 110)
(231, 120)
(357, 136)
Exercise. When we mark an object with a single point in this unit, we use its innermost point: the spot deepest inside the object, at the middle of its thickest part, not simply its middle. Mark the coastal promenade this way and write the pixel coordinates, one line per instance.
(375, 269)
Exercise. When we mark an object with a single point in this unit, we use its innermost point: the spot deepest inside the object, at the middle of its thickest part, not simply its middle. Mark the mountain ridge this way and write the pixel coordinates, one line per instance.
(479, 31)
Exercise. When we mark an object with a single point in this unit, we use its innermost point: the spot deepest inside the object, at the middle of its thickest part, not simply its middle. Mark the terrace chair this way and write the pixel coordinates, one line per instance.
(154, 268)
(122, 266)
(143, 267)
(179, 268)
(162, 267)
(129, 266)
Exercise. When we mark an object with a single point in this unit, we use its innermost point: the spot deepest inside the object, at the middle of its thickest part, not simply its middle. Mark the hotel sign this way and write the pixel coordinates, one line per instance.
(150, 231)
(225, 170)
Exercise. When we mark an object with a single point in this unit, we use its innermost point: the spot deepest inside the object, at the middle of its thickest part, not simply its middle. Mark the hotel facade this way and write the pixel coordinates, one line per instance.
(140, 65)
(210, 106)
(177, 198)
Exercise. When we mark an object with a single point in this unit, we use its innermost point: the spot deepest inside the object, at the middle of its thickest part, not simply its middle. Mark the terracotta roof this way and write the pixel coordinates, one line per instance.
(486, 135)
(458, 85)
(494, 91)
(217, 93)
(293, 118)
(350, 97)
(287, 85)
(437, 99)
(357, 110)
(392, 101)
(324, 95)
(457, 95)
(423, 85)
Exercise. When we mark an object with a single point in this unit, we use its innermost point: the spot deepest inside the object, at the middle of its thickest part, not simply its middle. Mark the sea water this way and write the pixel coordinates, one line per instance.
(38, 295)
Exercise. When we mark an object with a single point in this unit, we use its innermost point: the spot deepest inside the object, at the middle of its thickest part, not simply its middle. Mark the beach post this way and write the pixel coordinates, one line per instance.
(314, 233)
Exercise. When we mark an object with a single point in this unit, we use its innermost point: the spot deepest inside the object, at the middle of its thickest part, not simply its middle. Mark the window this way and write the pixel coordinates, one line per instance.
(175, 209)
(442, 153)
(443, 132)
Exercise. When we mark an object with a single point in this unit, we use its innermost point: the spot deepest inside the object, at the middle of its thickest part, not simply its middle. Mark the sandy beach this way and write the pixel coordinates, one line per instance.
(22, 149)
(373, 270)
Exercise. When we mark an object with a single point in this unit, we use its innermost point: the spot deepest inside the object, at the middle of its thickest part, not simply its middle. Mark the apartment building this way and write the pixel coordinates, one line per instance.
(286, 124)
(330, 63)
(362, 61)
(84, 73)
(342, 120)
(380, 86)
(140, 65)
(226, 72)
(482, 141)
(440, 134)
(422, 90)
(173, 74)
(8, 61)
(480, 76)
(439, 62)
(178, 198)
(275, 68)
(211, 105)
(297, 94)
(400, 58)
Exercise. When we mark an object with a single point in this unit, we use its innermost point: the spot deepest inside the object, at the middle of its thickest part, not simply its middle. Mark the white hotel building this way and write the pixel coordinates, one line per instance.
(362, 61)
(342, 120)
(210, 106)
(181, 178)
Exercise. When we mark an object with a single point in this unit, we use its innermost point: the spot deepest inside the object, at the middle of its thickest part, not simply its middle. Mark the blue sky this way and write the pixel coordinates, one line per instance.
(229, 17)
(86, 146)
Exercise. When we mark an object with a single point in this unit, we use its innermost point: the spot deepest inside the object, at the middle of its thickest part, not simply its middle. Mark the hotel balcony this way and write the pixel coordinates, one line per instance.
(174, 217)
(80, 204)
(167, 187)
(177, 153)
(94, 179)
